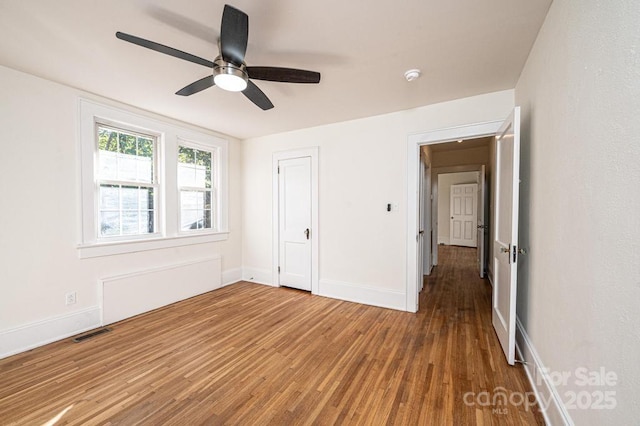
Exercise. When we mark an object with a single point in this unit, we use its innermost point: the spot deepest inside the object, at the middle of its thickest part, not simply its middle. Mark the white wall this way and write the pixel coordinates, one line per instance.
(444, 200)
(362, 168)
(40, 217)
(579, 286)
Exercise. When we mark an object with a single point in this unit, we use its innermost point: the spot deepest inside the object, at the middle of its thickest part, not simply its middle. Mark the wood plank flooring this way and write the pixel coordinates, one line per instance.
(251, 355)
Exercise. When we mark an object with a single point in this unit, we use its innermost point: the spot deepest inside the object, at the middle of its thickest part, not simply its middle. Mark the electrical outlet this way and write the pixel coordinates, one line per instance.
(70, 298)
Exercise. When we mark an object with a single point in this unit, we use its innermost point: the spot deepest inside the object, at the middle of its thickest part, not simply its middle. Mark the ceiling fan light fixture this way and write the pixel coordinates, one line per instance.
(230, 82)
(229, 77)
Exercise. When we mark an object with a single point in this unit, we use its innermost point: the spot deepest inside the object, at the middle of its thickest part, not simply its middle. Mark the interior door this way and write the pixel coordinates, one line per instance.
(464, 215)
(427, 235)
(420, 236)
(505, 241)
(294, 216)
(482, 225)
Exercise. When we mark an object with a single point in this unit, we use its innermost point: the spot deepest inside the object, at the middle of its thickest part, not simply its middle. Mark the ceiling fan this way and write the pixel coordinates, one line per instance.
(229, 69)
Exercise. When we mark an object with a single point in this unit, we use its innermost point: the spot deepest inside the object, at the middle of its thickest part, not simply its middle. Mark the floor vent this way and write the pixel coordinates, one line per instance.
(90, 335)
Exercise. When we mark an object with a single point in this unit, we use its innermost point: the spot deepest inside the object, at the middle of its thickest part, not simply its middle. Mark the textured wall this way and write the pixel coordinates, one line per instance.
(579, 286)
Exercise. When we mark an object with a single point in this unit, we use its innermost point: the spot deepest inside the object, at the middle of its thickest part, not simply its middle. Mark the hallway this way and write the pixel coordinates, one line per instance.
(455, 308)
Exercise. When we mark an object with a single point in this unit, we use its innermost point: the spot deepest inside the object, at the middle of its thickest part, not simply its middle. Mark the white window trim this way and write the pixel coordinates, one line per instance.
(169, 136)
(156, 182)
(216, 184)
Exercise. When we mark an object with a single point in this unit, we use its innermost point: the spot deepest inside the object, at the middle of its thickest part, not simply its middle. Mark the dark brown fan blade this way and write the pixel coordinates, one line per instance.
(256, 96)
(196, 86)
(164, 49)
(234, 33)
(283, 75)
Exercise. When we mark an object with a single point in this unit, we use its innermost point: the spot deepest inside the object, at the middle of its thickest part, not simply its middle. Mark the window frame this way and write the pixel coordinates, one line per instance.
(169, 134)
(156, 184)
(215, 178)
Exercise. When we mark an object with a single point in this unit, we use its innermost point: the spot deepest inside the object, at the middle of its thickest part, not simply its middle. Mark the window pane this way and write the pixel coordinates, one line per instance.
(195, 210)
(186, 155)
(130, 222)
(145, 170)
(194, 167)
(109, 224)
(124, 156)
(207, 219)
(186, 175)
(207, 200)
(108, 165)
(127, 167)
(130, 195)
(189, 199)
(146, 198)
(203, 160)
(145, 160)
(109, 197)
(145, 147)
(127, 144)
(146, 222)
(107, 140)
(133, 202)
(191, 219)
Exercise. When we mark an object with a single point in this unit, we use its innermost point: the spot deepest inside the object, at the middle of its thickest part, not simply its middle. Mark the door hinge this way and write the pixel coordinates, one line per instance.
(278, 269)
(278, 169)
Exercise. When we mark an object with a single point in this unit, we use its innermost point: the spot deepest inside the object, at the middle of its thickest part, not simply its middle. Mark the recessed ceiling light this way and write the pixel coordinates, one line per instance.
(412, 74)
(460, 141)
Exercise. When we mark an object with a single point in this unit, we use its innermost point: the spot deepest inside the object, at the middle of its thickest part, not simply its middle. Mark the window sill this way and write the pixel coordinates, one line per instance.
(86, 251)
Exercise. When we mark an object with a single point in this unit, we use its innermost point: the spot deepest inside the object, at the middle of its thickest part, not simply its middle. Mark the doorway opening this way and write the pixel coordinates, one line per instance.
(460, 200)
(505, 252)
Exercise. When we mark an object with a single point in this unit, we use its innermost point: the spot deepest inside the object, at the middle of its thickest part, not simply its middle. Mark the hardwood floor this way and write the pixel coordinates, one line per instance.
(250, 354)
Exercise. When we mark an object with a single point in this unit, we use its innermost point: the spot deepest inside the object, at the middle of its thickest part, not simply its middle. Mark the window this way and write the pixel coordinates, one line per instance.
(148, 184)
(127, 182)
(195, 183)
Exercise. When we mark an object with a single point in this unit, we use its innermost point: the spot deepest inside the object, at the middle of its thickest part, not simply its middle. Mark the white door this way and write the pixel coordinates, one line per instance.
(482, 224)
(420, 236)
(464, 215)
(294, 217)
(505, 241)
(427, 235)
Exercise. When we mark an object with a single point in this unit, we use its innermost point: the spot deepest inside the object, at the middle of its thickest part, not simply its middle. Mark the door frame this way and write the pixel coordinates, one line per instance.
(313, 153)
(414, 142)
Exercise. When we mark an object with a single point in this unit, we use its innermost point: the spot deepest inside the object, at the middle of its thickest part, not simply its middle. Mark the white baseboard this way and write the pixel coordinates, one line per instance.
(258, 276)
(29, 336)
(549, 401)
(231, 276)
(362, 294)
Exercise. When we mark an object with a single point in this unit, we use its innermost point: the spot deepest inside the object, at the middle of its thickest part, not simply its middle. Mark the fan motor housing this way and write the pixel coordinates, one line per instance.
(229, 76)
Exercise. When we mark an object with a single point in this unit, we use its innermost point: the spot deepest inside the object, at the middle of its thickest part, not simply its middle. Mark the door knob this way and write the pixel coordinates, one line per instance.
(306, 232)
(504, 250)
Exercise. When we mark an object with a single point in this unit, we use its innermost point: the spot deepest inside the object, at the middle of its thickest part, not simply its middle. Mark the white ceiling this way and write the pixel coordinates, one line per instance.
(361, 47)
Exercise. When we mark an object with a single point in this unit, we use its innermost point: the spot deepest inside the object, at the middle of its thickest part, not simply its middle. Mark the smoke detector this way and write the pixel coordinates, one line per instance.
(412, 74)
